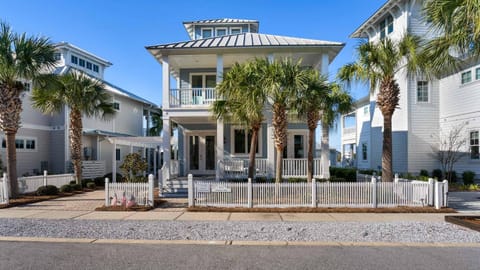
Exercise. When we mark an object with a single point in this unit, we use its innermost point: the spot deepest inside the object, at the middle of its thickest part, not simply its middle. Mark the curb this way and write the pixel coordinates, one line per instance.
(234, 243)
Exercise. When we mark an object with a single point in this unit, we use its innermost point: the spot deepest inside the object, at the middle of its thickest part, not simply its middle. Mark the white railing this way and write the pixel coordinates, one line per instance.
(32, 183)
(4, 189)
(316, 194)
(186, 97)
(174, 167)
(93, 168)
(126, 193)
(295, 167)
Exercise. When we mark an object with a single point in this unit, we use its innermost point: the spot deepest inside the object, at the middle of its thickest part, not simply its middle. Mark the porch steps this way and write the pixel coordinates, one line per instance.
(178, 187)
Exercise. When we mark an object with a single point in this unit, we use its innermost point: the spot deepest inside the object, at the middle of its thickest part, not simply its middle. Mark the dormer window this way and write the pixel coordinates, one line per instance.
(386, 26)
(220, 32)
(235, 30)
(81, 62)
(207, 32)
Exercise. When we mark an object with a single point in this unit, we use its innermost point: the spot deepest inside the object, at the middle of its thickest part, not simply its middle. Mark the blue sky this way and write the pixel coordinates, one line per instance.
(119, 30)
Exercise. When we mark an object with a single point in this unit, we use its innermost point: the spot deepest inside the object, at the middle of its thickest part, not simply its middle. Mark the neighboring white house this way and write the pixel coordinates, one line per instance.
(42, 141)
(207, 146)
(427, 109)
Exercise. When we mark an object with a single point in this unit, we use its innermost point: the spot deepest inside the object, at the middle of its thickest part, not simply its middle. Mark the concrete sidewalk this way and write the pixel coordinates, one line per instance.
(82, 206)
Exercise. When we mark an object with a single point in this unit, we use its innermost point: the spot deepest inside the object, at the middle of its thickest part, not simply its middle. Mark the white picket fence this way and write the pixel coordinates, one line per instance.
(4, 189)
(141, 192)
(32, 183)
(316, 194)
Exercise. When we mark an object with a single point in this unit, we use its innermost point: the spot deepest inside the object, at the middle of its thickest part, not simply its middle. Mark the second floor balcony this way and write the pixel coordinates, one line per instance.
(192, 97)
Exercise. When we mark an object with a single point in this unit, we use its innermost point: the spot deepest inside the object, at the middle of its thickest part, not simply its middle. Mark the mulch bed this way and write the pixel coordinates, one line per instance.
(138, 208)
(33, 198)
(324, 210)
(471, 222)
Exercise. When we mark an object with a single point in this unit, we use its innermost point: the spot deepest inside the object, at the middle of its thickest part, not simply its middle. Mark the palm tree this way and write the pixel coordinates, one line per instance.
(243, 99)
(337, 102)
(282, 83)
(21, 58)
(157, 123)
(457, 25)
(377, 65)
(309, 100)
(82, 95)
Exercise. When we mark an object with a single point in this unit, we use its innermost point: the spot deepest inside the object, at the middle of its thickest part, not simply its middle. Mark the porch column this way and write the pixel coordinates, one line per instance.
(220, 131)
(165, 83)
(325, 154)
(166, 146)
(270, 145)
(114, 162)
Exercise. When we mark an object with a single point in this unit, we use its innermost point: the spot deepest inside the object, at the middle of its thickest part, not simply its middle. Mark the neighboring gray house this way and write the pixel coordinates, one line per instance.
(42, 142)
(427, 109)
(207, 146)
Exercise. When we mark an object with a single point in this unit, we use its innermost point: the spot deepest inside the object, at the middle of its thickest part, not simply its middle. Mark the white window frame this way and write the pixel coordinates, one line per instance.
(366, 150)
(24, 139)
(207, 28)
(461, 77)
(291, 142)
(204, 78)
(118, 154)
(235, 28)
(119, 105)
(221, 28)
(428, 92)
(470, 145)
(232, 142)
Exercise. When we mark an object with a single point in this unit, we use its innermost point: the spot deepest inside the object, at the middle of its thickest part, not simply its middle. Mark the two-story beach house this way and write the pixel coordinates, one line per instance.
(428, 110)
(42, 141)
(211, 147)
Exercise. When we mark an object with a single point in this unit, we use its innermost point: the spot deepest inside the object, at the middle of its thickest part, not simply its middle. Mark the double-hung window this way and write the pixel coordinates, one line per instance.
(207, 32)
(474, 145)
(386, 26)
(466, 77)
(422, 91)
(364, 151)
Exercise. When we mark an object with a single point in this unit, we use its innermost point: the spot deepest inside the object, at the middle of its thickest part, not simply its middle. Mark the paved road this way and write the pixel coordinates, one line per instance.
(26, 255)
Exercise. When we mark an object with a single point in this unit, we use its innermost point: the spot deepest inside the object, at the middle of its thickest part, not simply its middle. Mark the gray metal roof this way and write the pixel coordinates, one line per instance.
(246, 40)
(224, 20)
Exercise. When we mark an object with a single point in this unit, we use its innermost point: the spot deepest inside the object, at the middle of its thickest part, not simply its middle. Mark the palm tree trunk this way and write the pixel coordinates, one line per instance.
(253, 151)
(279, 123)
(325, 155)
(12, 163)
(311, 135)
(387, 149)
(76, 142)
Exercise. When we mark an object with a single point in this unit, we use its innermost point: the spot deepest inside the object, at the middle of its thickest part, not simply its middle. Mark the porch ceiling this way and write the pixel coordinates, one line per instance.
(193, 120)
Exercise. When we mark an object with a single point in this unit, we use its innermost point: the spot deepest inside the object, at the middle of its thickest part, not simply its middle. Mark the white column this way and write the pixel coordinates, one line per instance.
(165, 82)
(166, 146)
(270, 145)
(220, 127)
(325, 63)
(220, 149)
(114, 163)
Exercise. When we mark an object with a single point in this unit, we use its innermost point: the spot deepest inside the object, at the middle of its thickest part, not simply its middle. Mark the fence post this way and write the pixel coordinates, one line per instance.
(107, 195)
(445, 193)
(250, 193)
(438, 195)
(396, 178)
(6, 186)
(191, 200)
(374, 192)
(160, 179)
(45, 173)
(314, 193)
(150, 190)
(431, 188)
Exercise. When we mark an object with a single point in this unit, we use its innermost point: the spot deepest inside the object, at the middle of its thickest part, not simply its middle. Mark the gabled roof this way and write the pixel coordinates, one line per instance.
(189, 25)
(246, 40)
(112, 88)
(370, 22)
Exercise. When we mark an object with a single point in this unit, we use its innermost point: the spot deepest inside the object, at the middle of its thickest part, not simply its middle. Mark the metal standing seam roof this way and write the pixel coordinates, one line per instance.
(223, 20)
(246, 40)
(189, 25)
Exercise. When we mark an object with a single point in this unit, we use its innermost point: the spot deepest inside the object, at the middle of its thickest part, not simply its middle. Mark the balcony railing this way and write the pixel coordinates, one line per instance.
(192, 97)
(349, 133)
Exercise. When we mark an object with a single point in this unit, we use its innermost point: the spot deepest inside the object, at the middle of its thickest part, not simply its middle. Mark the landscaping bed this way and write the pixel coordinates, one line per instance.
(324, 210)
(471, 222)
(33, 198)
(137, 208)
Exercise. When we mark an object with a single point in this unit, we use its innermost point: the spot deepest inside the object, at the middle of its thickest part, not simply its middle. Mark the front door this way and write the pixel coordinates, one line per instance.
(201, 154)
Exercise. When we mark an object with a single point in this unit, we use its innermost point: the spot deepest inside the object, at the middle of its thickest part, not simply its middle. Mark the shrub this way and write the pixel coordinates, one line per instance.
(468, 177)
(133, 165)
(451, 176)
(86, 181)
(66, 188)
(346, 173)
(296, 180)
(47, 190)
(339, 179)
(424, 173)
(76, 187)
(73, 182)
(437, 173)
(91, 185)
